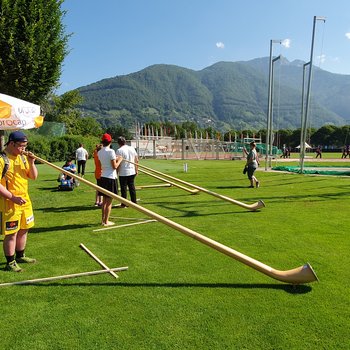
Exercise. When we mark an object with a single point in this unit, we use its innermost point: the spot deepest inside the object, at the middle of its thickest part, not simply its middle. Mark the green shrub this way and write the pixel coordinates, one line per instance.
(55, 149)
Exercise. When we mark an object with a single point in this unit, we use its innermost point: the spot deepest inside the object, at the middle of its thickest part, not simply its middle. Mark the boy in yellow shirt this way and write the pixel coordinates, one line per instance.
(15, 205)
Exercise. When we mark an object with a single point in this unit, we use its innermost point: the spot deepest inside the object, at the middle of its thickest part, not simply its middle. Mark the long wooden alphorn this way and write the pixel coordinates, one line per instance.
(252, 207)
(299, 275)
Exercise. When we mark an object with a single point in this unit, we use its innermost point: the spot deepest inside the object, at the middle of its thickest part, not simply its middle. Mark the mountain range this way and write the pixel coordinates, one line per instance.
(225, 95)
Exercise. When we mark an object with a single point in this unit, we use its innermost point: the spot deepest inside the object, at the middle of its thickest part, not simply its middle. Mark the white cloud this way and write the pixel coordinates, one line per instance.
(321, 58)
(220, 45)
(347, 35)
(286, 43)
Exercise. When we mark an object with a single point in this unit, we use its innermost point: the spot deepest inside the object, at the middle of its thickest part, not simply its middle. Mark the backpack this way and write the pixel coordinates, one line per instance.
(4, 156)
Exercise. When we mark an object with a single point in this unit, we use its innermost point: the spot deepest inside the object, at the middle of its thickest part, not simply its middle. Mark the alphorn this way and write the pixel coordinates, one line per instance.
(252, 207)
(299, 275)
(194, 191)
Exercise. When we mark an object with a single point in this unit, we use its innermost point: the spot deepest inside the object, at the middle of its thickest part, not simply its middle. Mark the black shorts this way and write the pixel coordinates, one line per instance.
(108, 184)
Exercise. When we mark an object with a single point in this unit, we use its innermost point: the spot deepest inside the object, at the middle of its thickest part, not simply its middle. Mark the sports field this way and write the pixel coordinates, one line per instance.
(177, 292)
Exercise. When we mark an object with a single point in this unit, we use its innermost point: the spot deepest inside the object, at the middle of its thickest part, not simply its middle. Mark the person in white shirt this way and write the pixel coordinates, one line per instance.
(109, 164)
(127, 171)
(81, 156)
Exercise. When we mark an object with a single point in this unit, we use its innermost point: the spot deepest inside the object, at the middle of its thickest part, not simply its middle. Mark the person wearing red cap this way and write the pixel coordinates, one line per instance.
(15, 205)
(109, 164)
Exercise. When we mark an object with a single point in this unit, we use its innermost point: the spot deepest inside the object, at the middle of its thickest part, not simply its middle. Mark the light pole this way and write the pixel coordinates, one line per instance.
(304, 118)
(269, 104)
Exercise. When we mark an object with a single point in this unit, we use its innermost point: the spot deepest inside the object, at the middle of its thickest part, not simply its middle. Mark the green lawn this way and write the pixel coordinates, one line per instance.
(179, 293)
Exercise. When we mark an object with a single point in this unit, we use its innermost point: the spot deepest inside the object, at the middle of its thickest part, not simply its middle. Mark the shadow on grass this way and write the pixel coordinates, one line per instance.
(67, 209)
(291, 289)
(187, 212)
(59, 228)
(229, 187)
(310, 198)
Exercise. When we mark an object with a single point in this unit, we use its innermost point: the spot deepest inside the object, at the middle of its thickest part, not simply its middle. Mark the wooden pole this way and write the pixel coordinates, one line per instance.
(124, 225)
(302, 274)
(141, 187)
(98, 260)
(74, 275)
(170, 182)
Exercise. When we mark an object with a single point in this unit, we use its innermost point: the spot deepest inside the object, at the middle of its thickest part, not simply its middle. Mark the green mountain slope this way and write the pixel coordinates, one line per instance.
(224, 95)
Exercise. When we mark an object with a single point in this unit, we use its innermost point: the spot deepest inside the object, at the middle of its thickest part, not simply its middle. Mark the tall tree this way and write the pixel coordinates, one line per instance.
(33, 45)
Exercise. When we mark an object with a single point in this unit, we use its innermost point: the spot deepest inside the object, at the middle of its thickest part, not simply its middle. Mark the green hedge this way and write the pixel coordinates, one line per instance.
(55, 149)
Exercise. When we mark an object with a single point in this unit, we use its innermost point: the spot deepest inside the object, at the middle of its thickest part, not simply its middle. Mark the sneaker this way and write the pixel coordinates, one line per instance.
(13, 267)
(26, 260)
(109, 223)
(257, 184)
(250, 186)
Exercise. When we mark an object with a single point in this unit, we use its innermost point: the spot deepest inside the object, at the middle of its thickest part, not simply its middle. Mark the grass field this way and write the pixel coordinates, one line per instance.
(178, 293)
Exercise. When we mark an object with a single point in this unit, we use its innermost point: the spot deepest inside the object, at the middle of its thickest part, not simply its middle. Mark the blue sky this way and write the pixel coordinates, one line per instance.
(118, 37)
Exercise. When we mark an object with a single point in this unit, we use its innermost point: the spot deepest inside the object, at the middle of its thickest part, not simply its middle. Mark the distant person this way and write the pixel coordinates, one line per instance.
(284, 152)
(109, 165)
(252, 164)
(98, 173)
(319, 151)
(15, 205)
(343, 150)
(346, 151)
(81, 155)
(127, 171)
(69, 166)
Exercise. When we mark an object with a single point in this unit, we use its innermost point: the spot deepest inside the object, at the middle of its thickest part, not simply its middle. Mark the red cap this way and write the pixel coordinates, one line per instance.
(106, 137)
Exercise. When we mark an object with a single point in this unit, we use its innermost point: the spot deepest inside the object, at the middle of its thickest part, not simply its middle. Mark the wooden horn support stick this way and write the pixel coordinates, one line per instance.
(252, 207)
(63, 277)
(299, 275)
(82, 246)
(194, 191)
(141, 187)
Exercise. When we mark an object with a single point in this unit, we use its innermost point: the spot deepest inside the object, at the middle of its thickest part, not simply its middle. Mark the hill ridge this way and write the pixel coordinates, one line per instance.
(224, 95)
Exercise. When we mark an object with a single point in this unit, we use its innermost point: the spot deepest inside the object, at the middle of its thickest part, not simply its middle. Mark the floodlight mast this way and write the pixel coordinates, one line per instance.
(269, 105)
(304, 118)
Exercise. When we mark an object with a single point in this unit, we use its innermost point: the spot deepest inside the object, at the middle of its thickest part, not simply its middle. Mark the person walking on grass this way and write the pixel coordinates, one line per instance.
(252, 164)
(15, 205)
(127, 171)
(109, 165)
(81, 156)
(319, 151)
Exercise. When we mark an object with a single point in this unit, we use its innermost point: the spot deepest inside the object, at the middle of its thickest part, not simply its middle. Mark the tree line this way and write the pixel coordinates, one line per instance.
(329, 136)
